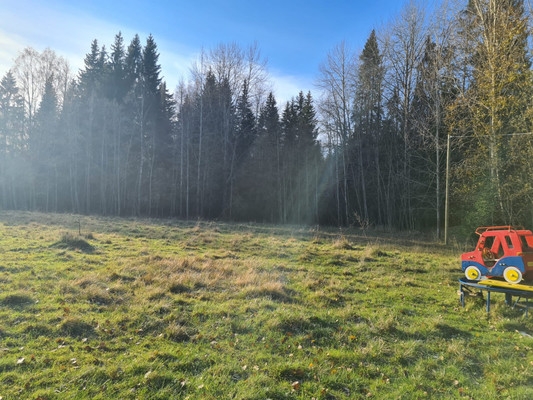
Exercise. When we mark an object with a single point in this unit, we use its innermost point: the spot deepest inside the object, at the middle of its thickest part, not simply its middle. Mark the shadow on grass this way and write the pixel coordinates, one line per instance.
(277, 294)
(17, 300)
(318, 328)
(517, 327)
(442, 331)
(447, 332)
(76, 327)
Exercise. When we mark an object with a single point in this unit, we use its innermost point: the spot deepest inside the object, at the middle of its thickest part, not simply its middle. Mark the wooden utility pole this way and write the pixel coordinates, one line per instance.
(447, 190)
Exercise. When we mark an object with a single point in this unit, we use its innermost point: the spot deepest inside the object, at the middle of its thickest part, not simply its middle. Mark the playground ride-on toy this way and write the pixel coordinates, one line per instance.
(501, 251)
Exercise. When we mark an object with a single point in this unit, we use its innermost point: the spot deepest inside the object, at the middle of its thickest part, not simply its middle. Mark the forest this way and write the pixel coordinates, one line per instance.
(430, 122)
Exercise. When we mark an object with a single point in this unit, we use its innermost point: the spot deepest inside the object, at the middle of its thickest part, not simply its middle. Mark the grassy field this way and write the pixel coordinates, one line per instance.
(99, 308)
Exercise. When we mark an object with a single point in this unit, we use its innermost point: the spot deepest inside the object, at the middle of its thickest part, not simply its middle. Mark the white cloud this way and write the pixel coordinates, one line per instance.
(9, 48)
(176, 62)
(69, 35)
(69, 32)
(288, 86)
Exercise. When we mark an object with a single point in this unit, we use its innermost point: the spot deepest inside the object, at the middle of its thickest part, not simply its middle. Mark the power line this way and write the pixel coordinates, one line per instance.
(505, 134)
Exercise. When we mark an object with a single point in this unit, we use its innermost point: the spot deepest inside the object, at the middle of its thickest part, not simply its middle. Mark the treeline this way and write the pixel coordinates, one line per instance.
(115, 141)
(370, 150)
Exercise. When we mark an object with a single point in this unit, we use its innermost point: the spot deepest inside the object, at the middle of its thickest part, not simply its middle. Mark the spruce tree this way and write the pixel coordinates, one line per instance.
(46, 149)
(91, 78)
(368, 125)
(134, 62)
(269, 163)
(11, 115)
(245, 124)
(244, 155)
(118, 86)
(12, 168)
(154, 134)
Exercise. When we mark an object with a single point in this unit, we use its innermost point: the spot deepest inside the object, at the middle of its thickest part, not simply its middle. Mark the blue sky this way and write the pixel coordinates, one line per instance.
(294, 36)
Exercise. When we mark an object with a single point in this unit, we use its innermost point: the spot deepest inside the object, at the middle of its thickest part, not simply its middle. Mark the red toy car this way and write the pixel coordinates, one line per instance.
(501, 251)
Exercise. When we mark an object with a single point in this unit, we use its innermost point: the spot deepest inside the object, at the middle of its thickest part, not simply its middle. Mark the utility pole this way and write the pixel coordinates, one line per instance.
(447, 190)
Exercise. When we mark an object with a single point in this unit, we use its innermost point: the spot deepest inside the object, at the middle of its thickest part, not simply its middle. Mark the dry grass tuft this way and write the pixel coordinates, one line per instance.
(342, 243)
(179, 333)
(74, 242)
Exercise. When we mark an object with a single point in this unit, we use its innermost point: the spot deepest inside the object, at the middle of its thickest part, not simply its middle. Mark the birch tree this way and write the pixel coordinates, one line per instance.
(497, 100)
(403, 45)
(337, 82)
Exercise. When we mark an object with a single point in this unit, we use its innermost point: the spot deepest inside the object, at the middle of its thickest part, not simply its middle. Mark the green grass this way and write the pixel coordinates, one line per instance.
(102, 308)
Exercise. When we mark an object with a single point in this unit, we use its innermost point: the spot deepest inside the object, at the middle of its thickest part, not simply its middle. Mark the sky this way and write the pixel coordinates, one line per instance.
(294, 36)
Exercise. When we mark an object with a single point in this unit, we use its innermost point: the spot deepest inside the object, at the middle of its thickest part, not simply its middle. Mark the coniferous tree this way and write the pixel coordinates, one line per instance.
(11, 115)
(243, 151)
(152, 140)
(289, 126)
(134, 62)
(268, 173)
(91, 83)
(368, 116)
(118, 85)
(245, 132)
(165, 133)
(300, 158)
(12, 167)
(45, 148)
(131, 138)
(90, 77)
(117, 89)
(309, 159)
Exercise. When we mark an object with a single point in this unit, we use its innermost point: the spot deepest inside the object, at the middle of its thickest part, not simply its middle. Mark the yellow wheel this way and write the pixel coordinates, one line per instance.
(512, 275)
(472, 273)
